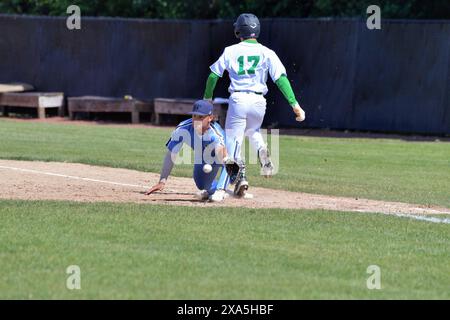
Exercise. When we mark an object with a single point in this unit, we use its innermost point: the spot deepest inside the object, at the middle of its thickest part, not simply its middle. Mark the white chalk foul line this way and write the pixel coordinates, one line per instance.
(421, 218)
(413, 216)
(401, 215)
(73, 177)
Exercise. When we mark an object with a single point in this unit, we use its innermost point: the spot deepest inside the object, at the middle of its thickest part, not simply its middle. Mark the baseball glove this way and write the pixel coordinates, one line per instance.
(233, 169)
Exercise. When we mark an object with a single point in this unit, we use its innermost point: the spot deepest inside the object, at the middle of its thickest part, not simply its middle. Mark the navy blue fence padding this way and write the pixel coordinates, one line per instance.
(320, 62)
(346, 77)
(401, 80)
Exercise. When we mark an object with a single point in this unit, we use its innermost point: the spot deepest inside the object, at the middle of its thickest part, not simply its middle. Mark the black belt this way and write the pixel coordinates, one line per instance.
(248, 91)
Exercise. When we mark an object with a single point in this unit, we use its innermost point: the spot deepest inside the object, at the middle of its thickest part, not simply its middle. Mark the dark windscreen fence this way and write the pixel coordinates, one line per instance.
(401, 80)
(396, 79)
(320, 62)
(110, 57)
(221, 36)
(446, 118)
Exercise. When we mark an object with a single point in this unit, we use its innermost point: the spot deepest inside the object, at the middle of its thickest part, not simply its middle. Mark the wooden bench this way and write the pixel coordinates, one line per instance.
(15, 87)
(39, 100)
(183, 106)
(107, 104)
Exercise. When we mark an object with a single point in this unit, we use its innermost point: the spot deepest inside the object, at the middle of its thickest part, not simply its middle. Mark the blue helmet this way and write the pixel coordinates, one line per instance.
(247, 26)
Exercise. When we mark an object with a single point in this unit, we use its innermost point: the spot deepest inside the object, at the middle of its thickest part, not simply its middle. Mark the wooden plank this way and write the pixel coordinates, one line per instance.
(51, 101)
(32, 99)
(184, 106)
(15, 100)
(15, 87)
(94, 104)
(180, 100)
(108, 104)
(100, 106)
(164, 107)
(104, 104)
(144, 106)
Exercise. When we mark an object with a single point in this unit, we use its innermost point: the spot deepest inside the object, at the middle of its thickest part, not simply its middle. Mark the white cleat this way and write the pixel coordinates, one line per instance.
(218, 196)
(247, 196)
(265, 162)
(202, 195)
(267, 170)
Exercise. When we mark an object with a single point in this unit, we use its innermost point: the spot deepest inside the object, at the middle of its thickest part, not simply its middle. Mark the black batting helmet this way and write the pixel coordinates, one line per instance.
(247, 26)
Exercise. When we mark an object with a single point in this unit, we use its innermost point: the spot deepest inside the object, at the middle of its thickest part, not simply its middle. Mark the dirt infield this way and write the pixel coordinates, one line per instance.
(78, 182)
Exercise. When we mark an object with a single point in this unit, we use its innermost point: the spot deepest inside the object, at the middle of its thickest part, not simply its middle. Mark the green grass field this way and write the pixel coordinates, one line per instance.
(395, 170)
(167, 252)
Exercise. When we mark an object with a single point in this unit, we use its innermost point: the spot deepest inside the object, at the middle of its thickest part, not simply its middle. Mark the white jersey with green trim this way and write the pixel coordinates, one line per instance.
(248, 64)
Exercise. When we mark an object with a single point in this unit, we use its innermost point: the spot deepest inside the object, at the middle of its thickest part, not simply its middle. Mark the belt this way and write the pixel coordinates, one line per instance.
(248, 91)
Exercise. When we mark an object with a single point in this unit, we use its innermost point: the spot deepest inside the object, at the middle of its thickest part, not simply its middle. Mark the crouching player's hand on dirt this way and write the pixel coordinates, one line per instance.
(157, 187)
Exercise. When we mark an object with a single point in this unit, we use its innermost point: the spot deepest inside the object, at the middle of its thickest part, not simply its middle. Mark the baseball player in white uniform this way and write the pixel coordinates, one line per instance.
(248, 64)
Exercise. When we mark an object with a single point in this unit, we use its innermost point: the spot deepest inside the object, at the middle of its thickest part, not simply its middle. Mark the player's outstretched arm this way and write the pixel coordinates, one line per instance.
(221, 154)
(210, 86)
(165, 172)
(285, 87)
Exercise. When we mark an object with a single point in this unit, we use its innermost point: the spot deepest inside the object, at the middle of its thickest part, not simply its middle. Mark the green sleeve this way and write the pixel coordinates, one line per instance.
(285, 87)
(210, 85)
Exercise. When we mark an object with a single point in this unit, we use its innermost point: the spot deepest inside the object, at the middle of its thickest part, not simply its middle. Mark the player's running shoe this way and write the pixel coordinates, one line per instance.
(218, 196)
(241, 186)
(265, 162)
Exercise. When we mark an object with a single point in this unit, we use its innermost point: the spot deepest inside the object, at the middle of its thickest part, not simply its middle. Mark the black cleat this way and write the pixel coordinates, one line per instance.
(241, 186)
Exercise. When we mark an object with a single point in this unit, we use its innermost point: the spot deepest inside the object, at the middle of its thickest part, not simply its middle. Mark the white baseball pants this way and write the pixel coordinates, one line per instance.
(245, 115)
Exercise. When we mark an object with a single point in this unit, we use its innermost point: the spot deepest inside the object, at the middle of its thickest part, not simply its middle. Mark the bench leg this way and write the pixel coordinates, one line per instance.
(157, 119)
(71, 115)
(152, 117)
(41, 113)
(134, 117)
(4, 111)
